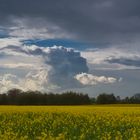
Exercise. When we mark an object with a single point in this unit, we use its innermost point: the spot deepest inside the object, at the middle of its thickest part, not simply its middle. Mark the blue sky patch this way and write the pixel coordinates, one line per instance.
(58, 42)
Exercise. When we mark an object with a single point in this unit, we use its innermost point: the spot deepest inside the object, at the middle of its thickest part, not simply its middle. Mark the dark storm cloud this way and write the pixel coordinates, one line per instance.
(90, 20)
(65, 64)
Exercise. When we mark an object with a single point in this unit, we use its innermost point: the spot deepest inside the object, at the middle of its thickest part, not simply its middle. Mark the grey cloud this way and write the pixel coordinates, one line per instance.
(125, 61)
(65, 63)
(24, 50)
(98, 21)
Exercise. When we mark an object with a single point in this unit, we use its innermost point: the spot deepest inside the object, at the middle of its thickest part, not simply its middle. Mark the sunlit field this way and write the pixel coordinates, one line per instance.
(112, 122)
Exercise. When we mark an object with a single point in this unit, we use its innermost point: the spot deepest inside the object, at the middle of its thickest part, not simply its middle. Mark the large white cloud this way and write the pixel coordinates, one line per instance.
(90, 79)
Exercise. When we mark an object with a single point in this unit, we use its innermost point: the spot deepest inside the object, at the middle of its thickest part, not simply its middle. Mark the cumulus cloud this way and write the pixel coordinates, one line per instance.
(8, 81)
(46, 68)
(65, 63)
(89, 79)
(37, 80)
(33, 80)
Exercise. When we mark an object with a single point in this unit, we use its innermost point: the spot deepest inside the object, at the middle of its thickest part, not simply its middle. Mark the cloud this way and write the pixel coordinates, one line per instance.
(18, 65)
(65, 63)
(32, 28)
(8, 81)
(89, 79)
(113, 58)
(32, 81)
(101, 22)
(41, 68)
(4, 42)
(26, 28)
(125, 61)
(53, 68)
(112, 25)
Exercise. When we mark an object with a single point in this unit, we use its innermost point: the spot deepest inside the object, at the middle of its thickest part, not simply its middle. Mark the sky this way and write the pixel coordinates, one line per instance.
(89, 46)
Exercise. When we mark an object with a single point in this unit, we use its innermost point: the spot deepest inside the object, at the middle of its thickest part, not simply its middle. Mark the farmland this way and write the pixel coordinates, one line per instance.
(93, 122)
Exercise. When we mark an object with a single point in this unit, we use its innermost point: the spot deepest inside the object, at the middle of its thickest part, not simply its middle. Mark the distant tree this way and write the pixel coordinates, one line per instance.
(126, 100)
(106, 99)
(135, 98)
(18, 97)
(118, 99)
(12, 96)
(93, 100)
(3, 99)
(14, 92)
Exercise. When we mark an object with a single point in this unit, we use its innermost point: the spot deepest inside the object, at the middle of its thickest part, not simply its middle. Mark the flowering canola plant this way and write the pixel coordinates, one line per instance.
(113, 122)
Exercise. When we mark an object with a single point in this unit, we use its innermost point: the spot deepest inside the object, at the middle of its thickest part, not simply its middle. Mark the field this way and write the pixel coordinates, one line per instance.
(113, 122)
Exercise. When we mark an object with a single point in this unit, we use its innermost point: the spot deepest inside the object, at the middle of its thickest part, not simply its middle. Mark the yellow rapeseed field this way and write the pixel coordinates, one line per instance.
(113, 122)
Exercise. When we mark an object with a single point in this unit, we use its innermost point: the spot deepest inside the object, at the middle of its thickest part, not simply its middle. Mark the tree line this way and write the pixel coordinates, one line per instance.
(112, 99)
(19, 97)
